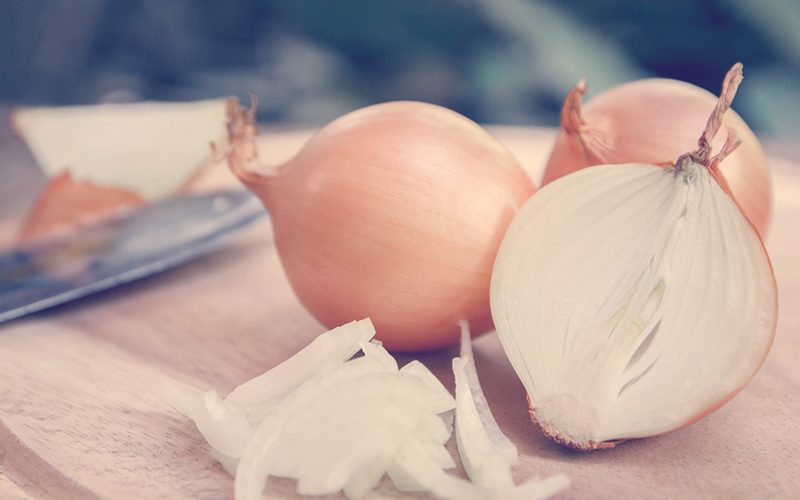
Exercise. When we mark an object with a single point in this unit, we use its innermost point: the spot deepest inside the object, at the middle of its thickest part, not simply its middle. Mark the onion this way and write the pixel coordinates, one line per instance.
(393, 212)
(654, 121)
(635, 299)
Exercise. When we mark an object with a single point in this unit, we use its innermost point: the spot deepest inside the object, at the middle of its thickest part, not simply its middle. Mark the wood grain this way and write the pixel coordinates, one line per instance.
(81, 415)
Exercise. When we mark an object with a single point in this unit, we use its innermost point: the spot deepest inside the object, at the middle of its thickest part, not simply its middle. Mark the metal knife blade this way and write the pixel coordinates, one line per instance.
(149, 240)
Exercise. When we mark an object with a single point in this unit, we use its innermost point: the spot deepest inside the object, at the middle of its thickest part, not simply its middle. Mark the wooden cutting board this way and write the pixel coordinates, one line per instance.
(81, 415)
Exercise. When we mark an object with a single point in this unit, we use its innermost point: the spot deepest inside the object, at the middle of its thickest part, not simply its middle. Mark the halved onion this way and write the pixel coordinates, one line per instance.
(632, 300)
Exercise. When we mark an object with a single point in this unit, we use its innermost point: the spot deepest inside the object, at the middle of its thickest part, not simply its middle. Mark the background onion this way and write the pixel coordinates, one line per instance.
(654, 121)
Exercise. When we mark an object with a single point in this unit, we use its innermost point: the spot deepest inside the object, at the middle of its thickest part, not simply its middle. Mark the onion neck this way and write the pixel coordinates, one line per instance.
(242, 153)
(702, 155)
(571, 112)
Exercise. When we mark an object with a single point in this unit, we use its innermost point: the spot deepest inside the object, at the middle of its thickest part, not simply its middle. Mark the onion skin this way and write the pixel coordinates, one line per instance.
(654, 121)
(393, 212)
(65, 204)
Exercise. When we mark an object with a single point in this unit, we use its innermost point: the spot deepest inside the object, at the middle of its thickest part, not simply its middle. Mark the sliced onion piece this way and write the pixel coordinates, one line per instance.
(326, 352)
(484, 463)
(375, 348)
(182, 402)
(228, 424)
(357, 420)
(486, 453)
(415, 469)
(330, 432)
(438, 400)
(468, 376)
(225, 430)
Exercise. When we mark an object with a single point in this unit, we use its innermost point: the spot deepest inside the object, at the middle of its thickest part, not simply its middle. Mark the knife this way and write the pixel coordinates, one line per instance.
(149, 240)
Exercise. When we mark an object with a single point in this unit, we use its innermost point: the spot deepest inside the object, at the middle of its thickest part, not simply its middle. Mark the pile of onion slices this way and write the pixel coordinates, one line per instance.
(334, 424)
(635, 299)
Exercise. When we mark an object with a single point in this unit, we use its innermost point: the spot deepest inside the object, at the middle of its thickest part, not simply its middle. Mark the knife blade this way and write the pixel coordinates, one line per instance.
(149, 240)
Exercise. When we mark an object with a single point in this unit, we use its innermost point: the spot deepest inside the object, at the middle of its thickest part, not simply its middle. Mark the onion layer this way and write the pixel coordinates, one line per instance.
(654, 121)
(393, 212)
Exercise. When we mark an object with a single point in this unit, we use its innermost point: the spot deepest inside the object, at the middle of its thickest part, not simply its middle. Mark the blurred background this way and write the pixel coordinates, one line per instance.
(309, 61)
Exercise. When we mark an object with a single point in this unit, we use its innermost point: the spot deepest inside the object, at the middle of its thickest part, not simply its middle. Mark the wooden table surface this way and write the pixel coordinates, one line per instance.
(81, 415)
